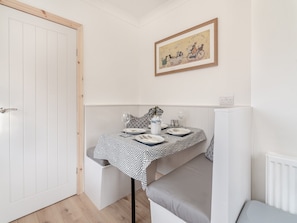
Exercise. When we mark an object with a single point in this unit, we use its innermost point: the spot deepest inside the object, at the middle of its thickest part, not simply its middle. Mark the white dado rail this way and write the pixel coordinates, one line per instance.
(101, 183)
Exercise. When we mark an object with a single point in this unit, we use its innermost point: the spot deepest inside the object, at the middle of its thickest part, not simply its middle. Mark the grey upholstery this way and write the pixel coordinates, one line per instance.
(90, 154)
(258, 212)
(186, 191)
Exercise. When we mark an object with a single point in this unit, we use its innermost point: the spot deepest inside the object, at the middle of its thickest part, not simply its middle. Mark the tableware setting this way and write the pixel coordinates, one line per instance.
(156, 124)
(174, 123)
(126, 118)
(178, 131)
(134, 131)
(163, 126)
(181, 116)
(149, 139)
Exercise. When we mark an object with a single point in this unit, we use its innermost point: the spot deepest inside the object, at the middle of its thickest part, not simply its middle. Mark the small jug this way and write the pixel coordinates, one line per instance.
(156, 125)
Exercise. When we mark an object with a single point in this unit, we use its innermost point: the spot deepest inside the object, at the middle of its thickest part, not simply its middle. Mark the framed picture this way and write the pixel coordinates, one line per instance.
(190, 49)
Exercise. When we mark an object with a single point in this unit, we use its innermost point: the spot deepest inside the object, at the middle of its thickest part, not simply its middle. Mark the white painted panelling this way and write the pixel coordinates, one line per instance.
(38, 141)
(52, 97)
(16, 120)
(41, 110)
(161, 214)
(194, 116)
(231, 180)
(29, 108)
(103, 119)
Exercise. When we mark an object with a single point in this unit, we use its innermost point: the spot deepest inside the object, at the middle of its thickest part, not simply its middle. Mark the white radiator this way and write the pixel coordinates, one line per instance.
(281, 182)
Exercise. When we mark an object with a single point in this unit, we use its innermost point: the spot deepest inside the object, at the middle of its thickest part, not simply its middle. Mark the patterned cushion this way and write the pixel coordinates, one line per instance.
(209, 151)
(144, 121)
(136, 122)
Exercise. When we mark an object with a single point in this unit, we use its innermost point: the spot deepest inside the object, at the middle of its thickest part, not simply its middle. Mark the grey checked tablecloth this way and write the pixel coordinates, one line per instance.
(133, 157)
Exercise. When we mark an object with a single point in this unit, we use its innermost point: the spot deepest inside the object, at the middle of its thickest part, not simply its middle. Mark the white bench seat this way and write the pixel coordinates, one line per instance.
(186, 191)
(104, 183)
(230, 179)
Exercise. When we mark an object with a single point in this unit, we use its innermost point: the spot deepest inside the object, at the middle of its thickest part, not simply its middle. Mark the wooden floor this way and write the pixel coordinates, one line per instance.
(79, 209)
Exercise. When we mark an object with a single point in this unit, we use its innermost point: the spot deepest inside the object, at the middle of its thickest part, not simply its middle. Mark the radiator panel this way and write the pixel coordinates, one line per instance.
(281, 182)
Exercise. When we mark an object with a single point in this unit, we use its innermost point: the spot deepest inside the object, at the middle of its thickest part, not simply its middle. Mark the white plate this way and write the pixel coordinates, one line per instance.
(134, 131)
(163, 126)
(149, 139)
(178, 131)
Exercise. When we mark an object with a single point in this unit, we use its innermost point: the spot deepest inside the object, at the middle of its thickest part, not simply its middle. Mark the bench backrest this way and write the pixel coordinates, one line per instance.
(231, 185)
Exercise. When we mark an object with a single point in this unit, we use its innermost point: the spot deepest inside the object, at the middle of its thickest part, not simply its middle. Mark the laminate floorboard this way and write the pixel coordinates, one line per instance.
(79, 209)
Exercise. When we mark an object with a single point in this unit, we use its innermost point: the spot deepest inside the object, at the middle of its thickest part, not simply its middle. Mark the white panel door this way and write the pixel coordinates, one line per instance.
(38, 140)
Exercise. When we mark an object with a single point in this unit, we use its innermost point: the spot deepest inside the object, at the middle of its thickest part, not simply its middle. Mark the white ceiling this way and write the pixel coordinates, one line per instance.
(135, 10)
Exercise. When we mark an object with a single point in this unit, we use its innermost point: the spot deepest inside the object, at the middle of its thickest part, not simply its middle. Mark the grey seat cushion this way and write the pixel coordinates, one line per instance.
(90, 154)
(258, 212)
(186, 191)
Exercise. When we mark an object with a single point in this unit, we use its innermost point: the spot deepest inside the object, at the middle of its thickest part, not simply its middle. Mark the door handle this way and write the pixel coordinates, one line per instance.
(3, 110)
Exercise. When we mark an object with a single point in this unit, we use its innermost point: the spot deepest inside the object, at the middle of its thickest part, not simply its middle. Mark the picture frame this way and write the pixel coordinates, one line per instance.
(193, 48)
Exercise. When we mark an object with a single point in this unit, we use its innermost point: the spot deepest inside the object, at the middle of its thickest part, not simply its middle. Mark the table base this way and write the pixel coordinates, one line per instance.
(133, 200)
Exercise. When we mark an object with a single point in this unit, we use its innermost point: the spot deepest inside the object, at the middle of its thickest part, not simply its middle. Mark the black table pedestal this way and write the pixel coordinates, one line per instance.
(133, 200)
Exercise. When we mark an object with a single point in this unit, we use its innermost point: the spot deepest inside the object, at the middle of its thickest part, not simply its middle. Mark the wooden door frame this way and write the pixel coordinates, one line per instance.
(79, 75)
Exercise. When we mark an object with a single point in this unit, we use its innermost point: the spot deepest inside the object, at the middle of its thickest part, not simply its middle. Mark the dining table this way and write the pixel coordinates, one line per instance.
(133, 152)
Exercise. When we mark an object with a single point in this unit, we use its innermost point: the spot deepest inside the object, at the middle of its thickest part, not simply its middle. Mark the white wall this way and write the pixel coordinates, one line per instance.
(119, 64)
(119, 56)
(110, 50)
(201, 86)
(274, 81)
